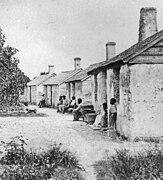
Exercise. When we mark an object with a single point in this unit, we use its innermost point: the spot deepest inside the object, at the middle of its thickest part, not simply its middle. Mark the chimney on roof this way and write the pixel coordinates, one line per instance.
(110, 50)
(51, 69)
(77, 63)
(147, 22)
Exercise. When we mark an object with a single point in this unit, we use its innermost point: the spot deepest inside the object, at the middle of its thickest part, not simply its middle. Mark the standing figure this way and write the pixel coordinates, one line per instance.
(76, 111)
(113, 114)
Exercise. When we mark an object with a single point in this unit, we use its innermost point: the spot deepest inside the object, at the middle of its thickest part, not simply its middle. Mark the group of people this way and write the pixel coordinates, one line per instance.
(102, 117)
(63, 105)
(101, 120)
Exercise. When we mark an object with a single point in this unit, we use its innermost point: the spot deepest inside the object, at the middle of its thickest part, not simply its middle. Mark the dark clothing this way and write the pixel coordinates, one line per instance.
(113, 119)
(104, 120)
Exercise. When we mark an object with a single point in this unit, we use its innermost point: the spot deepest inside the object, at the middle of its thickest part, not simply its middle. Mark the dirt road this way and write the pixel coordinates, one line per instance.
(41, 132)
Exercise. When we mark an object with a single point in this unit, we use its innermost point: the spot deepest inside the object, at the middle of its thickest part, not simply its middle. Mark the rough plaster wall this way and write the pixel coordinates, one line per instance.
(103, 87)
(62, 89)
(98, 102)
(87, 91)
(68, 91)
(109, 84)
(93, 90)
(72, 89)
(147, 99)
(28, 94)
(48, 95)
(40, 91)
(78, 90)
(124, 115)
(34, 94)
(55, 95)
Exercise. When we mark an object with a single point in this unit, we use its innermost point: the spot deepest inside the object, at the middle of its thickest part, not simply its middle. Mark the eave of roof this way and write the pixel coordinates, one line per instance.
(40, 79)
(61, 78)
(83, 74)
(131, 52)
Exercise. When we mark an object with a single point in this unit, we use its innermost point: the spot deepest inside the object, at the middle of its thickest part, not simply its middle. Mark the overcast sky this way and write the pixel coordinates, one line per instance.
(55, 31)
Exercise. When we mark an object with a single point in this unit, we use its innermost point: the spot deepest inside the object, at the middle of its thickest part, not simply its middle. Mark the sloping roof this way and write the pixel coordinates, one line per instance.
(40, 79)
(61, 78)
(133, 51)
(83, 74)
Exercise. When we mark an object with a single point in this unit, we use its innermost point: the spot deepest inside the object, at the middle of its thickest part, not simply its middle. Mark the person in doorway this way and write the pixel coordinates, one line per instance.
(113, 114)
(76, 111)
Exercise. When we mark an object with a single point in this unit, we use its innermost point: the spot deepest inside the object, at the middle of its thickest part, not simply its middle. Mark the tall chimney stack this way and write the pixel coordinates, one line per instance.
(77, 63)
(51, 69)
(110, 50)
(147, 22)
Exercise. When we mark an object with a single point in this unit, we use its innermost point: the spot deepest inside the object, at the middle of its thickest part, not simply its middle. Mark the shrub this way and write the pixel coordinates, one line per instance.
(18, 164)
(126, 166)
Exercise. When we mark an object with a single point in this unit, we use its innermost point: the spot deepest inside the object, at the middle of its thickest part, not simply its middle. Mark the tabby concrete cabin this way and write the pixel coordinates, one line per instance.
(135, 78)
(56, 86)
(35, 88)
(80, 85)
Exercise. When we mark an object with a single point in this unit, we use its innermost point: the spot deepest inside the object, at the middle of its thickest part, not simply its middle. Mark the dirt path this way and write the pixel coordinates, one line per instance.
(41, 132)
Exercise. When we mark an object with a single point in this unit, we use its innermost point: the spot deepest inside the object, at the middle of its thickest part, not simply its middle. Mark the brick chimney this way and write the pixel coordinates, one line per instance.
(147, 22)
(51, 69)
(110, 50)
(77, 63)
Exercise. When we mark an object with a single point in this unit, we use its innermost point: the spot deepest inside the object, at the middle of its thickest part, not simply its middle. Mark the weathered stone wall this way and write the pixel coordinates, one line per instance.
(87, 91)
(40, 92)
(55, 95)
(48, 95)
(62, 89)
(33, 94)
(68, 91)
(78, 89)
(146, 86)
(124, 111)
(110, 89)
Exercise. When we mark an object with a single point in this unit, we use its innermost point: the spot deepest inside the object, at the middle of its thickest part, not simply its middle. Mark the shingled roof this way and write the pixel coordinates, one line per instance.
(40, 79)
(83, 74)
(62, 77)
(133, 51)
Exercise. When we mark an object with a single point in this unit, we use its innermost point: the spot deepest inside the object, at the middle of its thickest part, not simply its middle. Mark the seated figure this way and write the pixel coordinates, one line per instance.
(101, 120)
(64, 104)
(59, 103)
(76, 112)
(70, 106)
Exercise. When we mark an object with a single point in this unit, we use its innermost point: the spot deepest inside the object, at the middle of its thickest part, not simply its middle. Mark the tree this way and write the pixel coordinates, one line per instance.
(12, 79)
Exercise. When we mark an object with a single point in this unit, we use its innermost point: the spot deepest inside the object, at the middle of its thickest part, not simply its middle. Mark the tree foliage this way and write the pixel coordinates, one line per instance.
(12, 79)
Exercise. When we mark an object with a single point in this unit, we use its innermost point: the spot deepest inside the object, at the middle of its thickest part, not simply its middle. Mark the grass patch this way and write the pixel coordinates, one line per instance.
(124, 165)
(19, 164)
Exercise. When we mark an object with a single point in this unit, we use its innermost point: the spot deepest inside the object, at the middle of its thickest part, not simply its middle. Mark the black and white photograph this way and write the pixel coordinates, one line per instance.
(81, 89)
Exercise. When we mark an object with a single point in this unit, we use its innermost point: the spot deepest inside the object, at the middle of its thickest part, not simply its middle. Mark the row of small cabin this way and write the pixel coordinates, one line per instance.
(134, 77)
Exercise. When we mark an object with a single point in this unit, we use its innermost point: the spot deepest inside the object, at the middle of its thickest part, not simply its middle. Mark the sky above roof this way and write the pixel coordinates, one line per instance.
(55, 31)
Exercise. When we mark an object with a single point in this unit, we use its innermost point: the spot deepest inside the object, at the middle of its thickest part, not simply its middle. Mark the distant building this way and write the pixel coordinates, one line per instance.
(135, 78)
(56, 86)
(80, 85)
(35, 87)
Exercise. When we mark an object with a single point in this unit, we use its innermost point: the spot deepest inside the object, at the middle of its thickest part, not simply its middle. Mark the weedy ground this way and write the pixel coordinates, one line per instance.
(19, 164)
